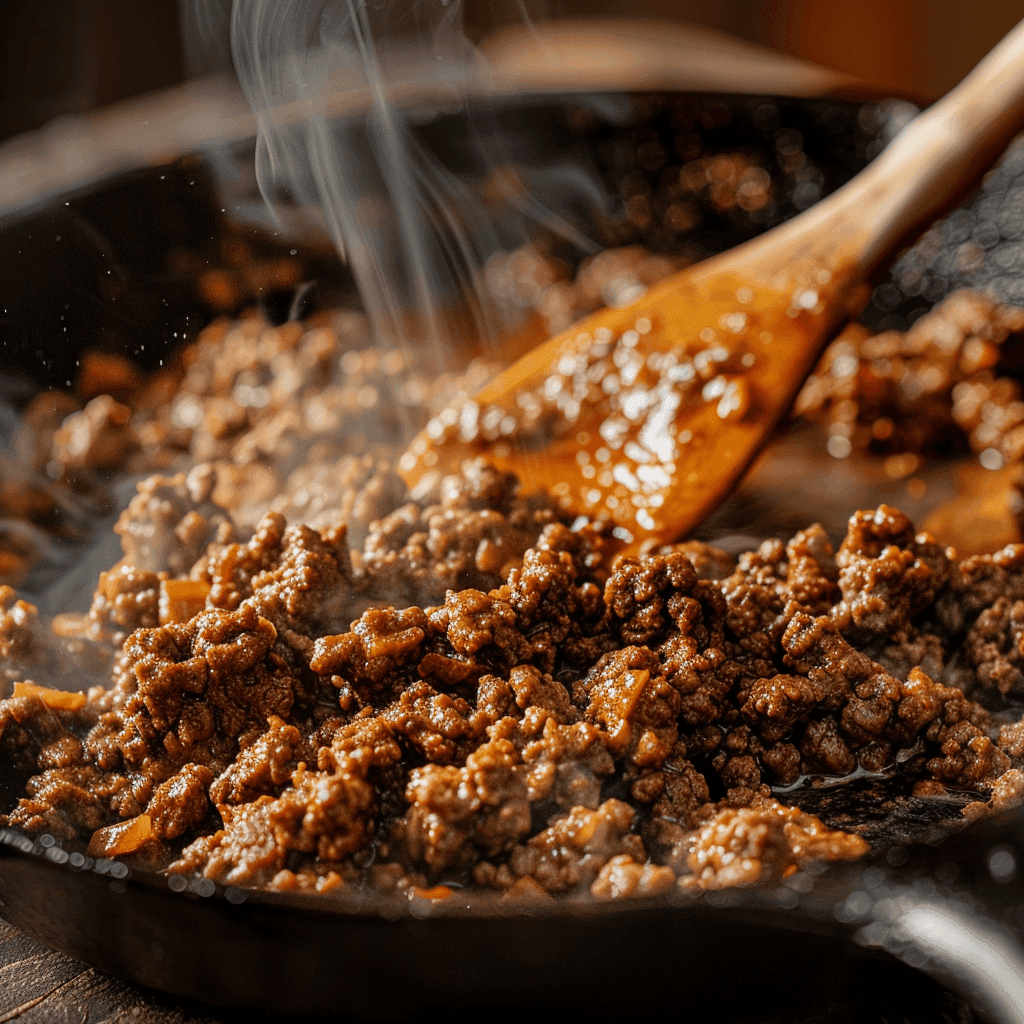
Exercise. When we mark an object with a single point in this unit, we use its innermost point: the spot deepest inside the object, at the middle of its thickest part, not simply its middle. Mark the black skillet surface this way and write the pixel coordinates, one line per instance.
(735, 956)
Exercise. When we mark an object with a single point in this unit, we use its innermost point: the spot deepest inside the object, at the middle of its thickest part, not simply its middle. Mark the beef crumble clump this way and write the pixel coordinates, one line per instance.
(23, 642)
(482, 694)
(319, 680)
(171, 520)
(948, 382)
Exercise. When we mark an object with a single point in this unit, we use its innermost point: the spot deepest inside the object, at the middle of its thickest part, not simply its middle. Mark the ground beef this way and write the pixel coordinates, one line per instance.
(710, 563)
(71, 650)
(23, 642)
(354, 490)
(126, 598)
(98, 438)
(170, 521)
(327, 815)
(263, 767)
(887, 575)
(466, 531)
(925, 390)
(180, 803)
(318, 679)
(994, 647)
(494, 736)
(574, 850)
(31, 733)
(309, 586)
(190, 694)
(261, 407)
(622, 876)
(73, 803)
(458, 815)
(762, 843)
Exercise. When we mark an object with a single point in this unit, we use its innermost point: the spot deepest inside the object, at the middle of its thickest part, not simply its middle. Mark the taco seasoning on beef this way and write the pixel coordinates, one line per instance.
(314, 679)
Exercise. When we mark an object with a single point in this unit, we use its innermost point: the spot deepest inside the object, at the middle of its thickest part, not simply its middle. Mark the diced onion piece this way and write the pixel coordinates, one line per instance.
(437, 892)
(124, 837)
(181, 600)
(59, 700)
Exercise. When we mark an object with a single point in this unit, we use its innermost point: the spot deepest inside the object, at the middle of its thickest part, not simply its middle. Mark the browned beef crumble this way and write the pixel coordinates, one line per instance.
(315, 679)
(940, 383)
(482, 695)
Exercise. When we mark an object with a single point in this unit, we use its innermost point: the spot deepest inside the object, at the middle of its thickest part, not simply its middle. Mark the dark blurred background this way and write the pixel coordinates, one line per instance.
(70, 56)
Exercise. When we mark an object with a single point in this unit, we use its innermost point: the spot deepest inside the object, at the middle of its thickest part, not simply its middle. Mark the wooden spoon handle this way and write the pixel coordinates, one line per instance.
(945, 150)
(937, 158)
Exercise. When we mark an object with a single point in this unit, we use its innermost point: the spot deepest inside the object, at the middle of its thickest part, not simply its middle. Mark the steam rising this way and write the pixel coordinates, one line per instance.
(337, 88)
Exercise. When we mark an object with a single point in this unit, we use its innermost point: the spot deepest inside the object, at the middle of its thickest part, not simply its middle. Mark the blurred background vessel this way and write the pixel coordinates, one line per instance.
(70, 56)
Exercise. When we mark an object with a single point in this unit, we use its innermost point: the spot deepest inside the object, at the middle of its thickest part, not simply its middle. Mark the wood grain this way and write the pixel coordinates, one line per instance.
(40, 986)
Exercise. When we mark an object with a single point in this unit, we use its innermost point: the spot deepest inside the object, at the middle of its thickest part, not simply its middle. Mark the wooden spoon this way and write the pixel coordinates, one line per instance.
(650, 413)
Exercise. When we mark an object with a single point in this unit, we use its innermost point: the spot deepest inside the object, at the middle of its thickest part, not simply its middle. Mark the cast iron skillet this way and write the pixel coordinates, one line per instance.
(861, 941)
(903, 936)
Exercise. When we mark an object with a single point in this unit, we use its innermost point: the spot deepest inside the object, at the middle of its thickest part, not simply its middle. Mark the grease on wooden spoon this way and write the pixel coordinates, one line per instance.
(618, 415)
(649, 414)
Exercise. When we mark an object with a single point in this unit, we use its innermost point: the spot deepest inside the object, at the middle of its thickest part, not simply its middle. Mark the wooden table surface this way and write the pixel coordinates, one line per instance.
(40, 986)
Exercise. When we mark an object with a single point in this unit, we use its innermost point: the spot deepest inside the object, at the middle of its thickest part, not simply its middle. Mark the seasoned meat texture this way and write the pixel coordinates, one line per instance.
(97, 438)
(126, 598)
(887, 575)
(327, 814)
(205, 690)
(927, 388)
(169, 522)
(468, 531)
(995, 647)
(354, 490)
(309, 586)
(73, 803)
(548, 718)
(180, 803)
(23, 642)
(263, 767)
(758, 844)
(315, 679)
